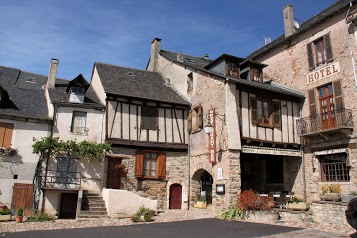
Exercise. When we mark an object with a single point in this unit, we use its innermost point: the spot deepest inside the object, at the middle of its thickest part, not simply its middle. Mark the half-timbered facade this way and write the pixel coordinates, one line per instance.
(320, 59)
(242, 129)
(146, 126)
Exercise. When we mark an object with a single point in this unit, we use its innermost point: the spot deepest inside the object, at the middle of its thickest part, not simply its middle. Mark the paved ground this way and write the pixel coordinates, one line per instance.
(171, 223)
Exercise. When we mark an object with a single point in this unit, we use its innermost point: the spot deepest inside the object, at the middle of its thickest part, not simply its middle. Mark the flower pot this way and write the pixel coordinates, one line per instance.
(5, 217)
(19, 219)
(201, 205)
(299, 206)
(335, 197)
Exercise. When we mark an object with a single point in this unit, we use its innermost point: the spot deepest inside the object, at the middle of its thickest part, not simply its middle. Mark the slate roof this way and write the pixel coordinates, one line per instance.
(58, 95)
(202, 63)
(26, 99)
(136, 83)
(330, 11)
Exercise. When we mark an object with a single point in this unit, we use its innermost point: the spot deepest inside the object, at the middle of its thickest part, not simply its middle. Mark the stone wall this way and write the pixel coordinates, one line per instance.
(329, 213)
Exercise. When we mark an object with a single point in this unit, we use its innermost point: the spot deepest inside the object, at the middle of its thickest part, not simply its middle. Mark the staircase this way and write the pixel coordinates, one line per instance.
(92, 207)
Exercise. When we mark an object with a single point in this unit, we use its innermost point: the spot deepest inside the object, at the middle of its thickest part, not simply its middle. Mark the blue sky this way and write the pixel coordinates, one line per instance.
(119, 32)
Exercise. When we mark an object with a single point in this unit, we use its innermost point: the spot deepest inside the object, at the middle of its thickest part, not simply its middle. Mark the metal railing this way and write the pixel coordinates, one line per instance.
(334, 172)
(59, 179)
(79, 130)
(341, 118)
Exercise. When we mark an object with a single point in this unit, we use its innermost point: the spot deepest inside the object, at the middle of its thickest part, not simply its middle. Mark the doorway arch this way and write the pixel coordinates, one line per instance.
(175, 198)
(201, 183)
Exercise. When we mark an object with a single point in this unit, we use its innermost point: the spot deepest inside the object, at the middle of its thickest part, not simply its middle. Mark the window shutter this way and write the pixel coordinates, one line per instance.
(139, 164)
(312, 102)
(337, 90)
(2, 133)
(161, 166)
(8, 135)
(200, 117)
(329, 55)
(253, 108)
(276, 114)
(310, 55)
(189, 122)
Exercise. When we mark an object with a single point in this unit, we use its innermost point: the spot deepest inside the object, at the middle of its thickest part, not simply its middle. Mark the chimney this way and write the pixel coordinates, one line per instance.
(288, 13)
(206, 56)
(53, 73)
(154, 57)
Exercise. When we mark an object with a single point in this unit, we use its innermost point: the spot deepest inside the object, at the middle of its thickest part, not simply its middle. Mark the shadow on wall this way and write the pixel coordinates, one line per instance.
(92, 173)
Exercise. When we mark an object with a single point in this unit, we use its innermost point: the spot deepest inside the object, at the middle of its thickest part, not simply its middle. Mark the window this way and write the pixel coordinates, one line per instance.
(76, 94)
(263, 115)
(319, 52)
(334, 168)
(148, 118)
(78, 126)
(6, 134)
(232, 69)
(274, 170)
(189, 82)
(66, 171)
(195, 119)
(150, 164)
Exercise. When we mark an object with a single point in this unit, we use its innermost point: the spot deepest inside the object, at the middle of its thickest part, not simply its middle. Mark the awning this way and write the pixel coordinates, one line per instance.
(270, 151)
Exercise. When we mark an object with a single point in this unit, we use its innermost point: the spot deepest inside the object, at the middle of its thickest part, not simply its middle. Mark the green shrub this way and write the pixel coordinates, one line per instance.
(41, 217)
(20, 211)
(135, 218)
(232, 212)
(5, 211)
(148, 217)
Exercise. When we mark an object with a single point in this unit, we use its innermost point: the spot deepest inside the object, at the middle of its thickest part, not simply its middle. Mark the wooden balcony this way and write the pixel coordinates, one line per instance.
(329, 121)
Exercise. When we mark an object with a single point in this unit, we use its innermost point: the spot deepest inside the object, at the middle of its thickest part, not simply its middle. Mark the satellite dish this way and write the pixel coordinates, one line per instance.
(297, 26)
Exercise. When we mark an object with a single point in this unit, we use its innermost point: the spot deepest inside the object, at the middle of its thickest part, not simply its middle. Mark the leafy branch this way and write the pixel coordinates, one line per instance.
(84, 149)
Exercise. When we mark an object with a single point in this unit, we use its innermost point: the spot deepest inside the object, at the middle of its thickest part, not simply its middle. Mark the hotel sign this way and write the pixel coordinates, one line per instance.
(212, 137)
(323, 73)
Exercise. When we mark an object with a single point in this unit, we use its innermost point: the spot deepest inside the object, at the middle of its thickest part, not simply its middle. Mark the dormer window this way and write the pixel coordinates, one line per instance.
(76, 94)
(232, 69)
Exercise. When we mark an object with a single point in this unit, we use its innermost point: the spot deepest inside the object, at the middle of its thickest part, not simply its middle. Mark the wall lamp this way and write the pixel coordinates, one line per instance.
(210, 120)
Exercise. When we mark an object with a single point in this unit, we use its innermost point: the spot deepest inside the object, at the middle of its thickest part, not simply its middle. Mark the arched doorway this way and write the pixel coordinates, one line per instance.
(202, 184)
(175, 199)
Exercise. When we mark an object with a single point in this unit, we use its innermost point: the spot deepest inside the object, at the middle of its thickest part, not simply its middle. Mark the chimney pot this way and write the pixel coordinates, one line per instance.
(206, 56)
(180, 57)
(51, 81)
(288, 14)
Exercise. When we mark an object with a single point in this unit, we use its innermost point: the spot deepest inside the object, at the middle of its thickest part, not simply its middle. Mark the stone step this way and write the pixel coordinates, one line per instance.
(93, 198)
(85, 216)
(92, 195)
(96, 209)
(93, 213)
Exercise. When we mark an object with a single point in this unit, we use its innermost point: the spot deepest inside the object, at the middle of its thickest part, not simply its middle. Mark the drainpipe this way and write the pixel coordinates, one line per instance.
(350, 48)
(302, 148)
(189, 172)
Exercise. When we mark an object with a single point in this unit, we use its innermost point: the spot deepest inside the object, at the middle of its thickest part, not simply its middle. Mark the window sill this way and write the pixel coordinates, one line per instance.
(265, 126)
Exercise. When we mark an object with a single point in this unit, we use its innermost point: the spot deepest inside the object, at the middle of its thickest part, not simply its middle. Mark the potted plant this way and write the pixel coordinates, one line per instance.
(200, 201)
(5, 213)
(331, 192)
(297, 204)
(20, 215)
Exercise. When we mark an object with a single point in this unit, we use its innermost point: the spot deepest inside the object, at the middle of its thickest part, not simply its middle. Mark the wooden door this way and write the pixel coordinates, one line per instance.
(113, 173)
(327, 107)
(68, 206)
(22, 196)
(175, 196)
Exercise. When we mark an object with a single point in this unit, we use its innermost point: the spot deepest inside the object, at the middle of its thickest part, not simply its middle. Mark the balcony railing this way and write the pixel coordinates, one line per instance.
(337, 119)
(79, 130)
(59, 179)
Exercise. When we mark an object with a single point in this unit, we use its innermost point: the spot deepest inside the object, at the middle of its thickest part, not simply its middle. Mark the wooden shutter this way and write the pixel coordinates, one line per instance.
(253, 109)
(310, 56)
(276, 114)
(6, 130)
(139, 164)
(161, 166)
(189, 122)
(200, 117)
(337, 91)
(312, 102)
(328, 47)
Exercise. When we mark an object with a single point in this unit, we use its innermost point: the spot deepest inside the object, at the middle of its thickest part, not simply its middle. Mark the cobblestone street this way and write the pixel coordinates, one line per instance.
(310, 229)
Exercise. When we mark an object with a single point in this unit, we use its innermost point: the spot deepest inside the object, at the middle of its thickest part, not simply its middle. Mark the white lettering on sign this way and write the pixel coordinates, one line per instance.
(212, 137)
(323, 73)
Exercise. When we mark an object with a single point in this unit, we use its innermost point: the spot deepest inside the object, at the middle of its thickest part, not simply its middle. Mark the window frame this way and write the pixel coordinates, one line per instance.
(150, 159)
(160, 165)
(76, 114)
(195, 119)
(232, 69)
(323, 46)
(149, 121)
(331, 170)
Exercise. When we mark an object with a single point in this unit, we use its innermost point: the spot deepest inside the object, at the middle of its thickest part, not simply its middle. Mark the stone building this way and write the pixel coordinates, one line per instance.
(318, 58)
(145, 122)
(242, 129)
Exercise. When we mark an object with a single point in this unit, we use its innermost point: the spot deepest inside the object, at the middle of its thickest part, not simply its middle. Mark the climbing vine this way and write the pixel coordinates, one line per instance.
(84, 149)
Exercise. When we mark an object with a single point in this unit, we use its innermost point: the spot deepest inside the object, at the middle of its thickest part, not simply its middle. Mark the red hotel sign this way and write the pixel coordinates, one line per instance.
(212, 137)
